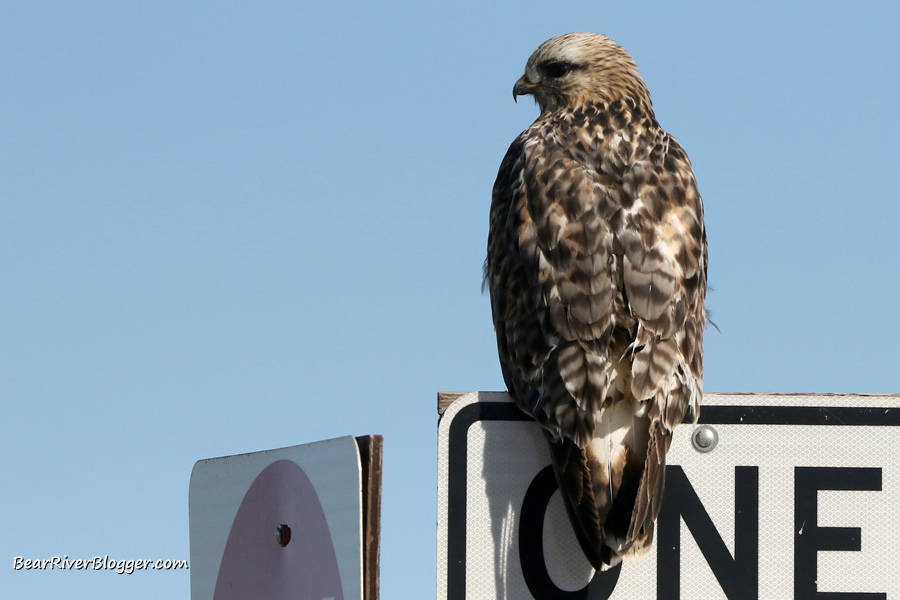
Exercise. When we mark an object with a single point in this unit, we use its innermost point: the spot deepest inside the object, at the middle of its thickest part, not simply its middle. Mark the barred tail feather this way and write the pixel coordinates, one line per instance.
(607, 485)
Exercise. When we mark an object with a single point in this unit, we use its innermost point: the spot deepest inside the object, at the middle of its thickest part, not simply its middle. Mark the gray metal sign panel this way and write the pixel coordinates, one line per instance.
(278, 524)
(797, 497)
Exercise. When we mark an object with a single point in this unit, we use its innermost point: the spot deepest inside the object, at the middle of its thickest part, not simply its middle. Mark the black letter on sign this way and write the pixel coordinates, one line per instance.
(738, 576)
(531, 548)
(809, 538)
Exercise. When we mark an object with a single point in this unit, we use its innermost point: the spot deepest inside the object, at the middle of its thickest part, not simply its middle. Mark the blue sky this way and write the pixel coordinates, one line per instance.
(228, 227)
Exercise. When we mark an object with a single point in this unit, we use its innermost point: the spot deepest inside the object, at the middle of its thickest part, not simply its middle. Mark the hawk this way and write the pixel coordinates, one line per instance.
(596, 268)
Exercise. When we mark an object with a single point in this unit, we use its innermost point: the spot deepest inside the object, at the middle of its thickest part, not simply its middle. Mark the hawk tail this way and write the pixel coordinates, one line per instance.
(612, 488)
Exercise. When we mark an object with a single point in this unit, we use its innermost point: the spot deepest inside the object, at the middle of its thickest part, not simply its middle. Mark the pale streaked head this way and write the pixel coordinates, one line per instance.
(576, 68)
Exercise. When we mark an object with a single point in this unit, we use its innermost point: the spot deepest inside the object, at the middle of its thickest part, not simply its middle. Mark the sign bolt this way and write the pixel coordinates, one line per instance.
(705, 438)
(283, 535)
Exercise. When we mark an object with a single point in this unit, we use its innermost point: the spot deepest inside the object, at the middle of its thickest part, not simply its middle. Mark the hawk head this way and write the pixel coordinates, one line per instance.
(577, 68)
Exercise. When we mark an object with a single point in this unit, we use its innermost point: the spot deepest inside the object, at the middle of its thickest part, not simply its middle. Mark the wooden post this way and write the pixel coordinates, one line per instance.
(370, 457)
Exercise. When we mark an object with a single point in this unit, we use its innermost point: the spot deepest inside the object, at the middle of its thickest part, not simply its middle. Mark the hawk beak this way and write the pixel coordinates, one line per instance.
(523, 87)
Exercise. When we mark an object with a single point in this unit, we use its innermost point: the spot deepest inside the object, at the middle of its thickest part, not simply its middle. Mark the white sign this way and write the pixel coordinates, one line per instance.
(278, 524)
(800, 498)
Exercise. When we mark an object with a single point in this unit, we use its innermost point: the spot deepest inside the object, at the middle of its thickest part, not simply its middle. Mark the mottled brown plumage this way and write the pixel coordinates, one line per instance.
(596, 268)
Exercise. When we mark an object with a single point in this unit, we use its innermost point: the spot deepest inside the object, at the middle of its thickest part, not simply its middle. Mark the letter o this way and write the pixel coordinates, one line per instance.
(531, 548)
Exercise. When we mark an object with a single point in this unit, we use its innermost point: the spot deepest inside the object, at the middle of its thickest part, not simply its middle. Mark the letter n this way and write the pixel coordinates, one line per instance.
(738, 575)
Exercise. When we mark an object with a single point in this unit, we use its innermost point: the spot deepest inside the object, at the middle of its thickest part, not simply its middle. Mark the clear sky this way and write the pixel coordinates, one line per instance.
(228, 227)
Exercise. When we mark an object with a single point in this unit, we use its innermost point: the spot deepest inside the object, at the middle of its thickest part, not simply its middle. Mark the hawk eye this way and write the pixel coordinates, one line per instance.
(556, 70)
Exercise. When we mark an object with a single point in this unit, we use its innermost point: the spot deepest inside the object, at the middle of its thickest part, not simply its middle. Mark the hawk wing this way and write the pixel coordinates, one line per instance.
(597, 274)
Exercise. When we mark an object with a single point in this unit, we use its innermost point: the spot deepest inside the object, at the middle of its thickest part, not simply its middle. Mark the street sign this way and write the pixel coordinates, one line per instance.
(770, 497)
(287, 523)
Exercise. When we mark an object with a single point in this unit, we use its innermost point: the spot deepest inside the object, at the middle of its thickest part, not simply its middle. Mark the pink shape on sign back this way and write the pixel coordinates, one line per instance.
(255, 565)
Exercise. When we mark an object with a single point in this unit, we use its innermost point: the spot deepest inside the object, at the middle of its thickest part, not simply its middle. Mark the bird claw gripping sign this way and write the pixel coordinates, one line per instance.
(768, 497)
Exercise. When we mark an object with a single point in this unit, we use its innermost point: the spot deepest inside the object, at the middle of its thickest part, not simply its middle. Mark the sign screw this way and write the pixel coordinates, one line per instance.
(705, 438)
(283, 535)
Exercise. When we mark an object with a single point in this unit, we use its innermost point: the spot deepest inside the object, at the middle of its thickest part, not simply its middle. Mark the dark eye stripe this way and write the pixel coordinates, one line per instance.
(556, 69)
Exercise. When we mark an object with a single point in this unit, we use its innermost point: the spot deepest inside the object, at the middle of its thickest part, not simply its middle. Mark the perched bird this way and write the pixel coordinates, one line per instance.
(596, 268)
